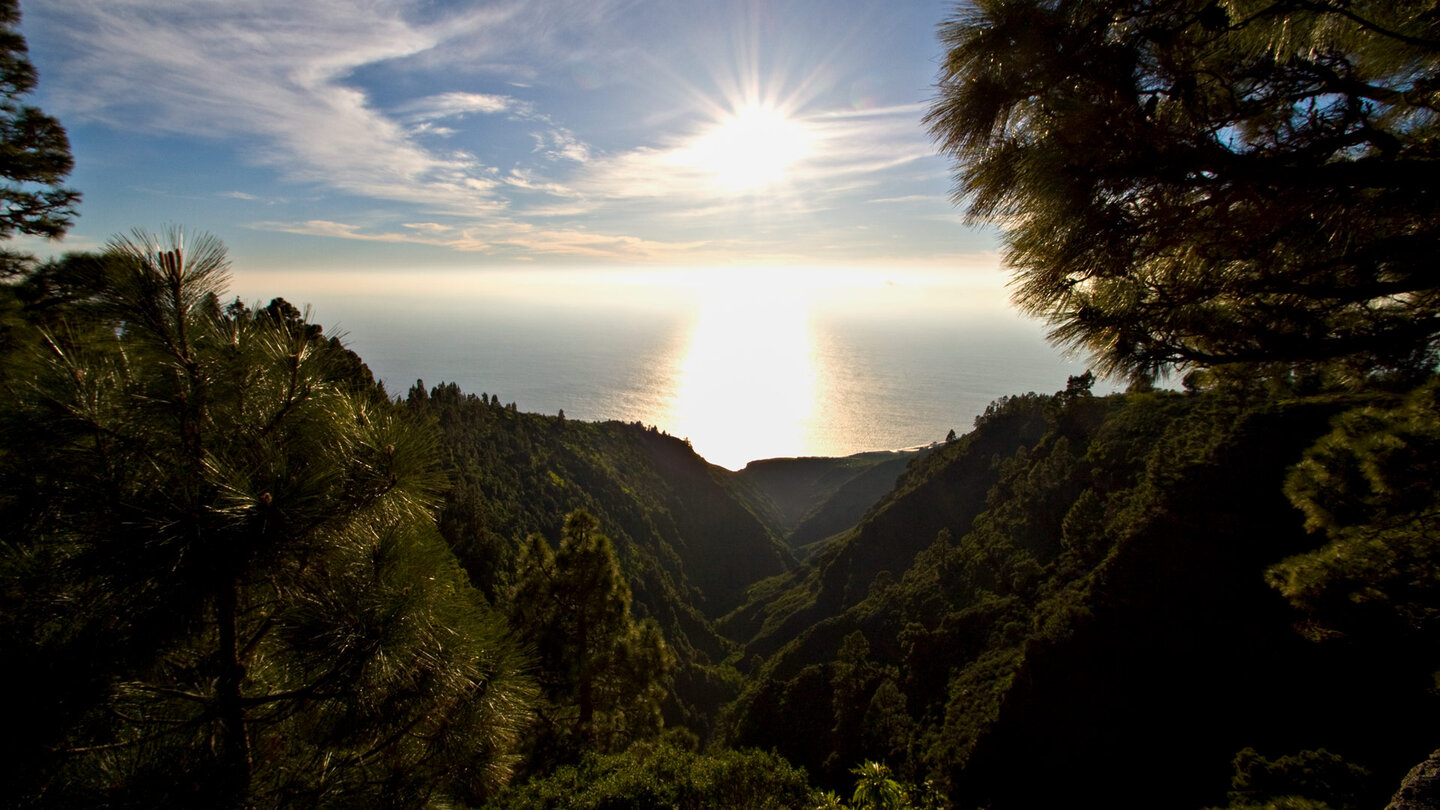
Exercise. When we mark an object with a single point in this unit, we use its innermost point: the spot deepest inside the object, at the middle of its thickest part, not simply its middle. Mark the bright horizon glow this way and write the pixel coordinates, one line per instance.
(745, 362)
(960, 290)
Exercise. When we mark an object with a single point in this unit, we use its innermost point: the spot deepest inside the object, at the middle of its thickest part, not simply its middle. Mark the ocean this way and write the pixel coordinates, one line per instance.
(743, 368)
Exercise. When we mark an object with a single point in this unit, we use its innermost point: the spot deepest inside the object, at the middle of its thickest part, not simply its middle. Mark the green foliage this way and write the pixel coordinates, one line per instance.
(1309, 780)
(811, 499)
(602, 673)
(1282, 803)
(679, 524)
(1108, 589)
(875, 790)
(686, 541)
(1368, 487)
(34, 150)
(940, 491)
(1207, 181)
(220, 561)
(664, 776)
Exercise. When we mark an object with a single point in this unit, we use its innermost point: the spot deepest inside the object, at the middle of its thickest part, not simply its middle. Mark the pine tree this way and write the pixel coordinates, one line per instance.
(34, 149)
(875, 789)
(222, 570)
(603, 673)
(1368, 489)
(1205, 182)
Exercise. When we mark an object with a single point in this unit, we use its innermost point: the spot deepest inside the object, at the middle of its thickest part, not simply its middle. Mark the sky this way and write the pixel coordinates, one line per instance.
(414, 136)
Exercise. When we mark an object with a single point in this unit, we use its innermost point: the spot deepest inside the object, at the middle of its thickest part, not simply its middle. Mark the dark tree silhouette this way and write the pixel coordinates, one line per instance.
(603, 673)
(222, 569)
(1202, 182)
(34, 149)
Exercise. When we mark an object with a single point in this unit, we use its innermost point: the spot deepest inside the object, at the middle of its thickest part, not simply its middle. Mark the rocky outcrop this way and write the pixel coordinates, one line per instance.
(1421, 788)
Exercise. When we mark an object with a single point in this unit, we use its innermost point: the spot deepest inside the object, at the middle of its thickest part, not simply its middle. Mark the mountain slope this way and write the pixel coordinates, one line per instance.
(820, 497)
(811, 498)
(1103, 620)
(688, 543)
(943, 490)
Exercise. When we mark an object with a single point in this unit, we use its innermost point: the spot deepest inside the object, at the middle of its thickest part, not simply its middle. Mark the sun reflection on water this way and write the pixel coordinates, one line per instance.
(748, 363)
(746, 383)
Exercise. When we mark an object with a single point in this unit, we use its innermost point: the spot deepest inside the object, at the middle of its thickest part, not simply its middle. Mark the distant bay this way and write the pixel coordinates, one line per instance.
(744, 371)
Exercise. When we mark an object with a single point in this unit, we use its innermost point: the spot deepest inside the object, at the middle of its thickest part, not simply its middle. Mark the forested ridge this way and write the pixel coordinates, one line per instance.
(1101, 616)
(236, 571)
(1074, 575)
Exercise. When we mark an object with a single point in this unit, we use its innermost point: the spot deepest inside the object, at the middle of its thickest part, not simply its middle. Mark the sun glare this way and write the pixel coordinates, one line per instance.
(752, 148)
(746, 385)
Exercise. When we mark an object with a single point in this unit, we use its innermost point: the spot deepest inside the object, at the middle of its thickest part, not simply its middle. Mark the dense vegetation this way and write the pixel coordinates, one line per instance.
(1104, 603)
(240, 574)
(221, 566)
(314, 573)
(235, 571)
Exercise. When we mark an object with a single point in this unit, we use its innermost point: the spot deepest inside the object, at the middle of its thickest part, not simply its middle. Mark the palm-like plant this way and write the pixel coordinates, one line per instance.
(875, 789)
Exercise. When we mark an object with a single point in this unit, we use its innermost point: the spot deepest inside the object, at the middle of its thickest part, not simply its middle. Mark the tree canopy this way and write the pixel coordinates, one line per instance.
(1367, 488)
(602, 673)
(220, 564)
(1202, 182)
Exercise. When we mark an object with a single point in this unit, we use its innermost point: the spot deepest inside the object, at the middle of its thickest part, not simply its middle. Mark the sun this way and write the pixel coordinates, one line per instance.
(751, 148)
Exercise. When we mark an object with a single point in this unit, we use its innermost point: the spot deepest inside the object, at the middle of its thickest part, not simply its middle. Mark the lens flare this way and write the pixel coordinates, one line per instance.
(751, 149)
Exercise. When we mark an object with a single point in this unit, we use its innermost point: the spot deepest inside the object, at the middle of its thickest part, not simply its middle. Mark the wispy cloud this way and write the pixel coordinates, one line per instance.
(443, 237)
(912, 198)
(511, 238)
(559, 143)
(586, 244)
(273, 71)
(429, 227)
(447, 105)
(565, 209)
(530, 181)
(431, 128)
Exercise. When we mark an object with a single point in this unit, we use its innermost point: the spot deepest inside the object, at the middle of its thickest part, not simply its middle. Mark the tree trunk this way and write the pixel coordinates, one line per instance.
(587, 681)
(234, 745)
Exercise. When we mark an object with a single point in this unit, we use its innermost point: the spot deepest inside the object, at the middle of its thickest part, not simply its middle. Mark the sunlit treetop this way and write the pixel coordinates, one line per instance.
(1199, 182)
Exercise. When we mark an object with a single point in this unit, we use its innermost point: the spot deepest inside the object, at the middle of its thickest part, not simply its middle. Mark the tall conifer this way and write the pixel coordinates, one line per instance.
(222, 570)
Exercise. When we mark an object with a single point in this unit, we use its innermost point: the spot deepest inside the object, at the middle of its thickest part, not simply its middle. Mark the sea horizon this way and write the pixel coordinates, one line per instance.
(798, 371)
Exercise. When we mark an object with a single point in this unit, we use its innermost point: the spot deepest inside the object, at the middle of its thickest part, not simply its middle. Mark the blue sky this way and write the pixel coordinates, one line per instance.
(315, 135)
